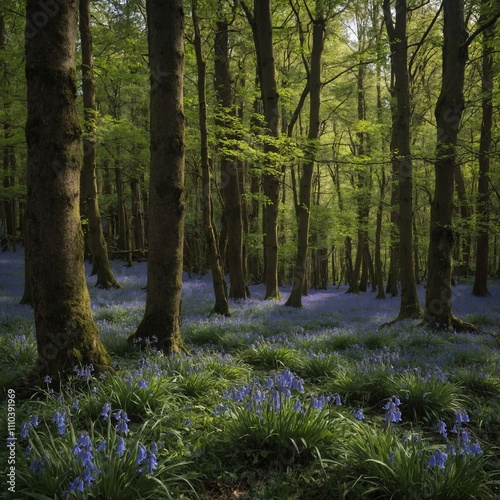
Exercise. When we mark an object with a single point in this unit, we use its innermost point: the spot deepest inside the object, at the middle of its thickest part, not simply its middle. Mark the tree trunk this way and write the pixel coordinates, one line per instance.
(65, 331)
(219, 283)
(304, 206)
(124, 243)
(161, 323)
(409, 306)
(138, 217)
(88, 177)
(480, 288)
(448, 114)
(271, 177)
(230, 185)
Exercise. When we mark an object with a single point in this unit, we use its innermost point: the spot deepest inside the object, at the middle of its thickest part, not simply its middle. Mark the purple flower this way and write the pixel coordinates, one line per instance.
(101, 446)
(25, 427)
(461, 417)
(38, 466)
(442, 428)
(120, 446)
(392, 414)
(151, 463)
(438, 459)
(297, 405)
(141, 453)
(337, 400)
(76, 484)
(142, 384)
(106, 410)
(60, 420)
(122, 420)
(359, 414)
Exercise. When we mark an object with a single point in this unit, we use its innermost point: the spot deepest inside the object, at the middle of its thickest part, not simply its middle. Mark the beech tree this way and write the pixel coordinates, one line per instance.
(396, 30)
(89, 201)
(66, 334)
(160, 324)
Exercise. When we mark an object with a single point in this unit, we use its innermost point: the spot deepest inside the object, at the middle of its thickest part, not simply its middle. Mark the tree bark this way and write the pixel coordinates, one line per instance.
(409, 305)
(480, 288)
(221, 305)
(88, 177)
(448, 114)
(271, 177)
(230, 185)
(65, 331)
(160, 326)
(304, 206)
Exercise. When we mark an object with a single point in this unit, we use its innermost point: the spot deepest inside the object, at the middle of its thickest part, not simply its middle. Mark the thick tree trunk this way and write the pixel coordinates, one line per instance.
(480, 288)
(230, 185)
(304, 206)
(88, 178)
(161, 323)
(65, 331)
(271, 179)
(409, 306)
(221, 305)
(448, 114)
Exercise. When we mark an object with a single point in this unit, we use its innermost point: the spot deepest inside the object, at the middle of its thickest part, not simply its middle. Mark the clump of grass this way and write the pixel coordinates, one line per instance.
(425, 397)
(320, 366)
(271, 356)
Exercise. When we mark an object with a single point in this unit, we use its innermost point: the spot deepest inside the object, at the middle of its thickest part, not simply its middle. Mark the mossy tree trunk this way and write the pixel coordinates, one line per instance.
(65, 331)
(221, 305)
(161, 323)
(89, 202)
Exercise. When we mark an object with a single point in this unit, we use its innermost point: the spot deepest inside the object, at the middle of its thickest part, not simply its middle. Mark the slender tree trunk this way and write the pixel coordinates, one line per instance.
(65, 331)
(304, 207)
(409, 306)
(448, 114)
(480, 288)
(124, 243)
(88, 178)
(463, 236)
(219, 283)
(230, 185)
(271, 179)
(161, 323)
(138, 216)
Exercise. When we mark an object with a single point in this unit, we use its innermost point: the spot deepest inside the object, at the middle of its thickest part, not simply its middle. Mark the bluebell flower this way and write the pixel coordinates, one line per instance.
(337, 400)
(38, 466)
(153, 447)
(141, 453)
(297, 405)
(47, 379)
(142, 384)
(392, 414)
(60, 420)
(442, 428)
(106, 410)
(461, 417)
(120, 446)
(359, 414)
(122, 421)
(474, 449)
(438, 459)
(27, 450)
(151, 463)
(34, 420)
(77, 484)
(101, 446)
(25, 427)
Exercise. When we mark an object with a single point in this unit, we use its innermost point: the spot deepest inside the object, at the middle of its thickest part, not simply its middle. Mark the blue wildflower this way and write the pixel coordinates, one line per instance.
(461, 417)
(392, 414)
(438, 459)
(120, 446)
(297, 405)
(77, 484)
(106, 410)
(142, 384)
(151, 463)
(141, 453)
(122, 421)
(38, 466)
(60, 420)
(25, 427)
(359, 414)
(47, 379)
(442, 428)
(101, 446)
(34, 420)
(337, 400)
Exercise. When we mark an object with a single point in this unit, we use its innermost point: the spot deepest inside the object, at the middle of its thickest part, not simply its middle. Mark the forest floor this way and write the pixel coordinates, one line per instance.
(270, 403)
